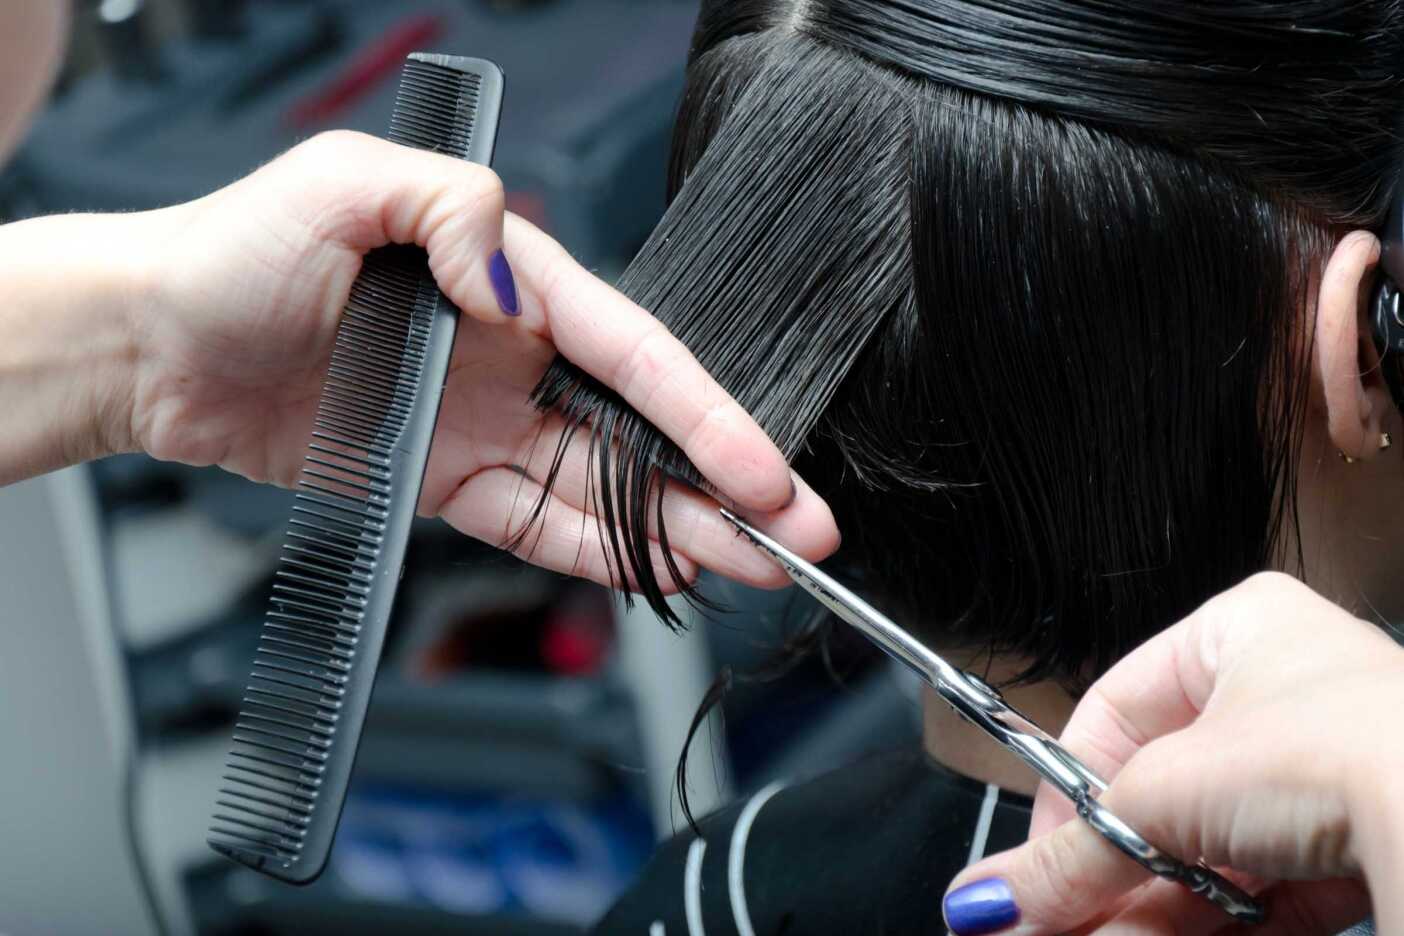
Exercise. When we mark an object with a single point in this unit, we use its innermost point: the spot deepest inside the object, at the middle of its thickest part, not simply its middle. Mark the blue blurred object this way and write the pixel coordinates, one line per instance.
(486, 854)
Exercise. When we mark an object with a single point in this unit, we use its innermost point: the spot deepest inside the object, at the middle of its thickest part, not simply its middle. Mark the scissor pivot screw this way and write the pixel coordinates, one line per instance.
(982, 685)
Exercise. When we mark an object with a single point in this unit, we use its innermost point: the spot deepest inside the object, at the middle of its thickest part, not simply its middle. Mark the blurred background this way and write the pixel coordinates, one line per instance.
(519, 757)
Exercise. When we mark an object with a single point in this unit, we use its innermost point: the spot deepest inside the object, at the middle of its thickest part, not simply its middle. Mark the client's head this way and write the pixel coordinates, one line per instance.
(1055, 301)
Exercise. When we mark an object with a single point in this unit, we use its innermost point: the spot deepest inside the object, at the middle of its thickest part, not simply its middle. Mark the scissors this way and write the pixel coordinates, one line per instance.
(982, 705)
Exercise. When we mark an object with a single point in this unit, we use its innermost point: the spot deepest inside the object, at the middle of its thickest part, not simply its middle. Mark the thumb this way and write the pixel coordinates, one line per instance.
(363, 192)
(1050, 884)
(1178, 792)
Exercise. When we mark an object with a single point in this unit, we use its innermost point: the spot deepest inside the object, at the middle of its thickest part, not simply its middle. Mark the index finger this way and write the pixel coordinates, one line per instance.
(1166, 683)
(609, 337)
(1159, 688)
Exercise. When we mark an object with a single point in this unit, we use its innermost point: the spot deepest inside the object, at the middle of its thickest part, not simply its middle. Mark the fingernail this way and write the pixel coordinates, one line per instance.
(982, 907)
(503, 283)
(794, 491)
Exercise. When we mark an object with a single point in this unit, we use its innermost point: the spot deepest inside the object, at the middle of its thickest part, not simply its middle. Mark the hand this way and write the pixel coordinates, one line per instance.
(1260, 733)
(248, 285)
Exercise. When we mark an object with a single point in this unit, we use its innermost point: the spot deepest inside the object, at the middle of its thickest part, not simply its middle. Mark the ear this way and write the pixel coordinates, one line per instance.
(1346, 364)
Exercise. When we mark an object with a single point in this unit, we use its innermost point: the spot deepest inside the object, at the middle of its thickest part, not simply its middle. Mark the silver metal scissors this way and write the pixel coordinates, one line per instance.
(983, 706)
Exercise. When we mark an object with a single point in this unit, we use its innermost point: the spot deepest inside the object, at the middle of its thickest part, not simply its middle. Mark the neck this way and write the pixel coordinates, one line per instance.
(965, 749)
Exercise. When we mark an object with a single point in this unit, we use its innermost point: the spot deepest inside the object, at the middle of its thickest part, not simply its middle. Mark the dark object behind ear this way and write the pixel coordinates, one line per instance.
(1387, 311)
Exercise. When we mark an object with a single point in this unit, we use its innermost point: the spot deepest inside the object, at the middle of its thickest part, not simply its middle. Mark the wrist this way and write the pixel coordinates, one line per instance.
(73, 286)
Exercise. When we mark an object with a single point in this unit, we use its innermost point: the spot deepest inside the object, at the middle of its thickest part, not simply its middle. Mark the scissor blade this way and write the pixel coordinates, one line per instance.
(1015, 732)
(869, 621)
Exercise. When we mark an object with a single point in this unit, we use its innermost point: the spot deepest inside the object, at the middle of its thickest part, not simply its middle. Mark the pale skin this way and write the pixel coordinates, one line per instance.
(1261, 733)
(1189, 728)
(200, 333)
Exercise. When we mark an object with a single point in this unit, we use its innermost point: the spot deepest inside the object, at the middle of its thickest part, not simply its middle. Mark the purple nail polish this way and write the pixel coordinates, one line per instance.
(982, 907)
(503, 283)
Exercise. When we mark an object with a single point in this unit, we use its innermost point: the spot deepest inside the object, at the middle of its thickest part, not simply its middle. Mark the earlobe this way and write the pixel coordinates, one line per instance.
(1346, 364)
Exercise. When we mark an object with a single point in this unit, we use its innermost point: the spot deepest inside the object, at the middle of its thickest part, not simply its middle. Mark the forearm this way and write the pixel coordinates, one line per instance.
(71, 285)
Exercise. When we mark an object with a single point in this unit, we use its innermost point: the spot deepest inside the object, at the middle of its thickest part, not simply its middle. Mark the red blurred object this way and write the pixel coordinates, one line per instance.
(377, 62)
(575, 643)
(531, 206)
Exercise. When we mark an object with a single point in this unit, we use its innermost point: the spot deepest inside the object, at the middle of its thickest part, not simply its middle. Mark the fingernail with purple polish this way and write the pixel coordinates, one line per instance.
(503, 283)
(982, 907)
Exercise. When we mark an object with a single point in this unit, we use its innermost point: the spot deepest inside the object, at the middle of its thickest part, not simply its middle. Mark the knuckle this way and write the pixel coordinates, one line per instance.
(461, 211)
(331, 144)
(492, 194)
(1138, 779)
(713, 429)
(459, 215)
(1058, 878)
(555, 290)
(480, 190)
(1255, 594)
(644, 367)
(1273, 583)
(323, 182)
(1113, 736)
(683, 528)
(1168, 819)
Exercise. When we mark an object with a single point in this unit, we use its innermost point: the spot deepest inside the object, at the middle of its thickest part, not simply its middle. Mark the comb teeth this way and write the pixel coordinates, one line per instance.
(434, 108)
(300, 722)
(308, 650)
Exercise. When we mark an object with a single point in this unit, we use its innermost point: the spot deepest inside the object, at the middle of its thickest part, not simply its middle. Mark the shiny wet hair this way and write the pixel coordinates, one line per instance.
(1020, 286)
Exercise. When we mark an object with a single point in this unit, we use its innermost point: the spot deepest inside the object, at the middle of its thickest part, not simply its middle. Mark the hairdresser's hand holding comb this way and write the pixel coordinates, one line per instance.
(1261, 733)
(206, 338)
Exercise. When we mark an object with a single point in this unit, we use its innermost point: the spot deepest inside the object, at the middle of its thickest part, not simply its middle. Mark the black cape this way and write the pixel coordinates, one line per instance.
(868, 848)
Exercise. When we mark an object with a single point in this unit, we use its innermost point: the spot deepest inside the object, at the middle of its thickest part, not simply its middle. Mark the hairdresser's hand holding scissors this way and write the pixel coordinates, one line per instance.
(1262, 733)
(207, 339)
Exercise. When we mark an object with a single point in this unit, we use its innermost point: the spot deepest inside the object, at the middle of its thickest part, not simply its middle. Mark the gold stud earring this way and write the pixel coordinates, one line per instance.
(1345, 458)
(1385, 441)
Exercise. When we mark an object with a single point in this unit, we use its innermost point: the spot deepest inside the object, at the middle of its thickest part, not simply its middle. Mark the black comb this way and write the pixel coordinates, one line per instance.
(300, 723)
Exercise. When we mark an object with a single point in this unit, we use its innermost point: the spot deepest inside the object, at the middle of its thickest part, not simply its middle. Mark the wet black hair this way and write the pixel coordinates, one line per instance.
(1020, 286)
